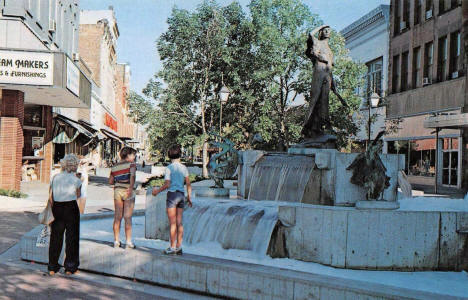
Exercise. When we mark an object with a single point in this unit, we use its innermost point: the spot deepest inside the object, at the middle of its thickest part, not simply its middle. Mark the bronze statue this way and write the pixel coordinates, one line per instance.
(321, 55)
(223, 165)
(369, 171)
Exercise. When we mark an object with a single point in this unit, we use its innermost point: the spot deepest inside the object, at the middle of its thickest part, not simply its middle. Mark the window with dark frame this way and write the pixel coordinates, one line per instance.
(417, 11)
(374, 77)
(429, 10)
(404, 71)
(397, 19)
(416, 67)
(428, 60)
(455, 3)
(455, 53)
(441, 6)
(442, 59)
(406, 12)
(395, 73)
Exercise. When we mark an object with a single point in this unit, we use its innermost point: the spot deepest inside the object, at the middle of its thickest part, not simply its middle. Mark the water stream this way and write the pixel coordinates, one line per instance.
(281, 177)
(233, 224)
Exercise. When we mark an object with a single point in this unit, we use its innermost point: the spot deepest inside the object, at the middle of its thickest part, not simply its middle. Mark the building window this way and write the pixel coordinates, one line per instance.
(442, 59)
(416, 67)
(406, 11)
(455, 52)
(395, 73)
(455, 3)
(374, 77)
(419, 156)
(429, 10)
(417, 11)
(397, 19)
(441, 6)
(404, 71)
(428, 61)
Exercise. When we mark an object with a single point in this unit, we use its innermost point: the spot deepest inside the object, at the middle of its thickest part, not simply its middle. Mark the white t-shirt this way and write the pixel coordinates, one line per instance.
(64, 186)
(176, 173)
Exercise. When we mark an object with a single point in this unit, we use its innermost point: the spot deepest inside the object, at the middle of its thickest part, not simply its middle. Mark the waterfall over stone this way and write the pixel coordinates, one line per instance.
(233, 224)
(282, 177)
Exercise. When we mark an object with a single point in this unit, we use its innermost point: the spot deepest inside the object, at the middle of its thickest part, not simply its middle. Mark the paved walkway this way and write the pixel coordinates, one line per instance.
(22, 280)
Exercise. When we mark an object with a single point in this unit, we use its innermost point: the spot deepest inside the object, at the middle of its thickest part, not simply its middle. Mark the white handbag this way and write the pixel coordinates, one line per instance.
(46, 217)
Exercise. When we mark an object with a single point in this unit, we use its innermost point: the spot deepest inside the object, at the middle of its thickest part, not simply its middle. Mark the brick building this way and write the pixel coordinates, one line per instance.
(39, 70)
(427, 79)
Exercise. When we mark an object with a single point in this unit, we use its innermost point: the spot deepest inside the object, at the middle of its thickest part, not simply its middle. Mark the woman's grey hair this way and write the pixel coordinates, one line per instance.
(69, 163)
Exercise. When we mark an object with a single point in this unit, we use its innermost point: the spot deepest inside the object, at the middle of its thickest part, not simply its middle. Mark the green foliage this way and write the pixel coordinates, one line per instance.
(260, 56)
(159, 180)
(12, 193)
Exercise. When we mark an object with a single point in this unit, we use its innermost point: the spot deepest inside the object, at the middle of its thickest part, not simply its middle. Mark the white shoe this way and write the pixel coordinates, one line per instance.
(116, 244)
(170, 251)
(130, 245)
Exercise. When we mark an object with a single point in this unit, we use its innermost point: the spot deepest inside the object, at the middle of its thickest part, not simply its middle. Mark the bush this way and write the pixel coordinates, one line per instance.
(159, 180)
(12, 193)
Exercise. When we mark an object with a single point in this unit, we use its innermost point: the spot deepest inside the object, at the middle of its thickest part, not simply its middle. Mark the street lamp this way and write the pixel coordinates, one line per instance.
(374, 102)
(223, 97)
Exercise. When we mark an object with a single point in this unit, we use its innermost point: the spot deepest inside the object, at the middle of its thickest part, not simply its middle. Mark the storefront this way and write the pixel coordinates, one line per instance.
(31, 83)
(425, 160)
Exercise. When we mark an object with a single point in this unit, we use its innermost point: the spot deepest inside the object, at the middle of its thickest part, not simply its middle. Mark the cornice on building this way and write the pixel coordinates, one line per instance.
(382, 12)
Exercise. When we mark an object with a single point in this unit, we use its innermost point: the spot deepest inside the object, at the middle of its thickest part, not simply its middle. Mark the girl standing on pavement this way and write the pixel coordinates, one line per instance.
(123, 176)
(65, 188)
(175, 177)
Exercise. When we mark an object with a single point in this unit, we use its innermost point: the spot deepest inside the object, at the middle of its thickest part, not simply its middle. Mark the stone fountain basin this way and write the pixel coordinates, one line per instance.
(406, 239)
(223, 273)
(345, 237)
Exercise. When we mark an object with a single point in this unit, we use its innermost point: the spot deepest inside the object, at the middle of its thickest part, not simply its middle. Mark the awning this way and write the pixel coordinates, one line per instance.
(112, 135)
(74, 124)
(62, 138)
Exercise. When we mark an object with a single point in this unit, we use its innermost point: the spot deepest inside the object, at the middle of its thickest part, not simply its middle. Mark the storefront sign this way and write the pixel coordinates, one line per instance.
(22, 67)
(110, 122)
(73, 78)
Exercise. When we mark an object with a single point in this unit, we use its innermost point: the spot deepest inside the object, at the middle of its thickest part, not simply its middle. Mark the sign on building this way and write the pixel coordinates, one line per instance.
(23, 67)
(73, 78)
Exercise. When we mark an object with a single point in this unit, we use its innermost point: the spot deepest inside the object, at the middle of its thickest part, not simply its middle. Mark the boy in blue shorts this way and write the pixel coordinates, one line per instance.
(175, 177)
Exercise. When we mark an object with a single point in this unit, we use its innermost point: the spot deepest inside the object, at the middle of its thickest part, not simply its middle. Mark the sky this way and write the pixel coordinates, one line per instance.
(141, 22)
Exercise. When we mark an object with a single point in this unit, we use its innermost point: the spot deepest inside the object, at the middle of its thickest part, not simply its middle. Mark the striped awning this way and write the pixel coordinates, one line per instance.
(62, 138)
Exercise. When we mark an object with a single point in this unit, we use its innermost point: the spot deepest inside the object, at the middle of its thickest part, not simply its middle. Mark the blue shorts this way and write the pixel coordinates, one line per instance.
(175, 199)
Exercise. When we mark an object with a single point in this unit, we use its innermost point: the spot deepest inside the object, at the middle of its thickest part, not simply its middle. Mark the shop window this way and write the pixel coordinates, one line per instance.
(455, 54)
(428, 62)
(442, 59)
(404, 71)
(419, 156)
(416, 67)
(395, 73)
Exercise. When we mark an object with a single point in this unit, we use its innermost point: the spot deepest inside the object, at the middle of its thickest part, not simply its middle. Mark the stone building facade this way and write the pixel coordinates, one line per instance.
(367, 40)
(427, 77)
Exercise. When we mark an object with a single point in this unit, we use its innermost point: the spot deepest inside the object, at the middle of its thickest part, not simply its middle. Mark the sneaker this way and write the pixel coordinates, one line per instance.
(51, 273)
(130, 245)
(116, 244)
(170, 251)
(179, 251)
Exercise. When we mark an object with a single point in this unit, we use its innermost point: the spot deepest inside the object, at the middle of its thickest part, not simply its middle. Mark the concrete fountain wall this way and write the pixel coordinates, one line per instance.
(312, 176)
(346, 237)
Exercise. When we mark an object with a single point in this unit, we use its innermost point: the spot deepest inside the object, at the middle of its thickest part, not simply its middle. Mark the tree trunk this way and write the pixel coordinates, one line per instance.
(205, 159)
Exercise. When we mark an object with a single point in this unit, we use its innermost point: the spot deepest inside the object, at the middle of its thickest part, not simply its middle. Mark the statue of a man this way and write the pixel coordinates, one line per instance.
(319, 52)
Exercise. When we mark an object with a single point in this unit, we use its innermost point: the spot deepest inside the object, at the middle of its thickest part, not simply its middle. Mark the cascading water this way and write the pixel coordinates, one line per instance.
(233, 224)
(280, 177)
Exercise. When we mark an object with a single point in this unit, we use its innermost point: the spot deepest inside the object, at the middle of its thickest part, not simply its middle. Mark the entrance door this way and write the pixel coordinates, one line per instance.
(450, 162)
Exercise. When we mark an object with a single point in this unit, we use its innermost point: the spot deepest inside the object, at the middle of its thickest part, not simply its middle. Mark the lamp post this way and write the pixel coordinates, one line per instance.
(374, 102)
(223, 97)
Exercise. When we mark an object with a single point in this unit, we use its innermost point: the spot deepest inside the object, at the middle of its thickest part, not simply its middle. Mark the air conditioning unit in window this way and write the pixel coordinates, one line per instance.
(52, 26)
(76, 56)
(455, 75)
(402, 25)
(429, 14)
(426, 81)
